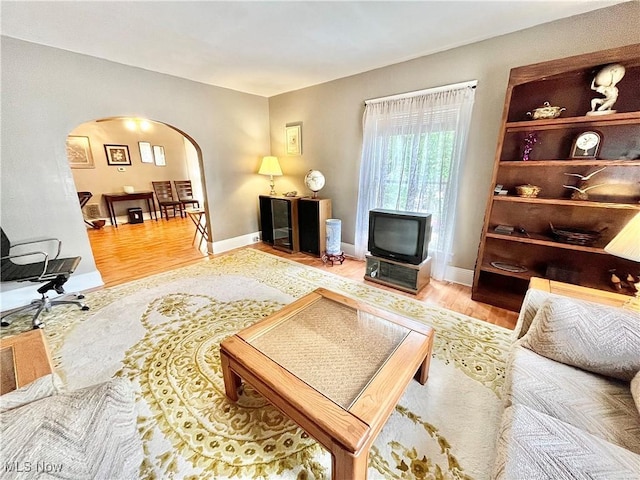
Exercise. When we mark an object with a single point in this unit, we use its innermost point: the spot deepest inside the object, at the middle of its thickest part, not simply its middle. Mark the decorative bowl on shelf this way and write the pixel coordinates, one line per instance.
(575, 236)
(528, 190)
(545, 112)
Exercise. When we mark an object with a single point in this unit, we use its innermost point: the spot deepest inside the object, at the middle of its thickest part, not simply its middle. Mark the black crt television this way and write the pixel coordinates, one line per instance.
(398, 235)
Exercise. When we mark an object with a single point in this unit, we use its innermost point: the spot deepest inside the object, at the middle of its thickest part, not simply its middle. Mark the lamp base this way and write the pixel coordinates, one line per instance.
(272, 185)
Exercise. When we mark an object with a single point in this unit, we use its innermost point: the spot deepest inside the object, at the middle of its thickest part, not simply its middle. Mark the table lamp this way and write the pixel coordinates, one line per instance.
(271, 167)
(626, 244)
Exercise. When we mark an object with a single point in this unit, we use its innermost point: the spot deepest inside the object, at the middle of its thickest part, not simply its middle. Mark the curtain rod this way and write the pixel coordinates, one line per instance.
(470, 84)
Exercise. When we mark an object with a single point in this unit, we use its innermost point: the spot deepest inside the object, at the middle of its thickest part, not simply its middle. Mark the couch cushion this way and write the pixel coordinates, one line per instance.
(599, 405)
(532, 445)
(635, 390)
(40, 388)
(598, 338)
(88, 433)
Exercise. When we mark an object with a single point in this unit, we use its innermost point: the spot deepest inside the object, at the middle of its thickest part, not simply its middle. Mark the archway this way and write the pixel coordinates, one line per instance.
(111, 155)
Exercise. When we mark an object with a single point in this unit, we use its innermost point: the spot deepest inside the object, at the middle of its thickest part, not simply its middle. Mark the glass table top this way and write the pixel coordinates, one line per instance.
(332, 347)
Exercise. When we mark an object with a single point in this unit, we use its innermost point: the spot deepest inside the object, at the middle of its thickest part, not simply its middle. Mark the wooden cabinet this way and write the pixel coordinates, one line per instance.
(312, 224)
(295, 224)
(613, 193)
(403, 276)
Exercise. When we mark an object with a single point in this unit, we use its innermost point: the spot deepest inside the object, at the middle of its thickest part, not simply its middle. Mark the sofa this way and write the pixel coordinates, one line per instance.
(90, 433)
(571, 393)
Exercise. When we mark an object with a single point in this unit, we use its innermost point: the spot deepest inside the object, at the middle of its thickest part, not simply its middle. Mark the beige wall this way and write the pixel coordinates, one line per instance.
(105, 178)
(47, 92)
(332, 112)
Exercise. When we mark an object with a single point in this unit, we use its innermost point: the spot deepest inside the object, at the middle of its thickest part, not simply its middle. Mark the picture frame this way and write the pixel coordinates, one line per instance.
(79, 152)
(293, 139)
(146, 153)
(117, 155)
(158, 155)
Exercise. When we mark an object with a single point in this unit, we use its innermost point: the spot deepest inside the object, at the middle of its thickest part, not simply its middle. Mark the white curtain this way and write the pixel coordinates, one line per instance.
(412, 151)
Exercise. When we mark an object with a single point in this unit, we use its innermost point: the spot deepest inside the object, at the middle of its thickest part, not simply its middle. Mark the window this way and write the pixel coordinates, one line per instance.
(411, 155)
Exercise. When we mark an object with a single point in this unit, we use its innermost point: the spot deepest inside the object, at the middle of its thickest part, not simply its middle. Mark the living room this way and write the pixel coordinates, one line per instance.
(234, 130)
(47, 92)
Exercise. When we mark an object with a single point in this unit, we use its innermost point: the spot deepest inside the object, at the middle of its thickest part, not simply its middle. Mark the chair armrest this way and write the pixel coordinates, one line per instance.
(40, 240)
(26, 254)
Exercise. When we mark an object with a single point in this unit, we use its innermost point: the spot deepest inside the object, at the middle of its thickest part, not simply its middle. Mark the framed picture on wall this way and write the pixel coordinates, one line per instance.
(158, 154)
(293, 138)
(79, 152)
(146, 154)
(117, 154)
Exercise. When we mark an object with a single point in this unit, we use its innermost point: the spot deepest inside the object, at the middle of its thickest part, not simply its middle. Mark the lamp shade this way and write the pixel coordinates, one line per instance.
(270, 166)
(626, 244)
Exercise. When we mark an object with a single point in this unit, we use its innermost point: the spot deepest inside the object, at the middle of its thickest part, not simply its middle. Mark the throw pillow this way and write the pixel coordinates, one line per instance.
(635, 389)
(597, 338)
(40, 388)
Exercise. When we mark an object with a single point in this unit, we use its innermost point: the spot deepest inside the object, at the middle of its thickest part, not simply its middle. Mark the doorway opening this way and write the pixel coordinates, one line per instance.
(112, 157)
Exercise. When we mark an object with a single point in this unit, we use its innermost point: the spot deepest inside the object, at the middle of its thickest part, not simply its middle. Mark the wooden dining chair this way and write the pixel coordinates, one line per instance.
(185, 193)
(164, 194)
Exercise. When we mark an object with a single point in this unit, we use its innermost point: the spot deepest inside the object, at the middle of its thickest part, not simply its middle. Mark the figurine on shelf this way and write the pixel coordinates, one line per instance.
(605, 83)
(615, 281)
(529, 141)
(581, 190)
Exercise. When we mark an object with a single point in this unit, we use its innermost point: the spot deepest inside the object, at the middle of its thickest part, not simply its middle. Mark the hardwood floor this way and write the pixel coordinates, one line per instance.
(136, 251)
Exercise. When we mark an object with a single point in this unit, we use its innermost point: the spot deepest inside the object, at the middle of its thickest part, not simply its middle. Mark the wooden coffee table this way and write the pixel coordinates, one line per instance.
(335, 366)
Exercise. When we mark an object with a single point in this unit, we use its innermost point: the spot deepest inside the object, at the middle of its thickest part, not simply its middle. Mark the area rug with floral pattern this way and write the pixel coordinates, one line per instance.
(163, 333)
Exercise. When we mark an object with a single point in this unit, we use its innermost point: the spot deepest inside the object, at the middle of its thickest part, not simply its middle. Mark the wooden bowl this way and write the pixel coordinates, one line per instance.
(529, 191)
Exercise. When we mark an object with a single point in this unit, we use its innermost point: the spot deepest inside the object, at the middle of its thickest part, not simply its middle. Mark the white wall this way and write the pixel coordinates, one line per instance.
(331, 113)
(47, 92)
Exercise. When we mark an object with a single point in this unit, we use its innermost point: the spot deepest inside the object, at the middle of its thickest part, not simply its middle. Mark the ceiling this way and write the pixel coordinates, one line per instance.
(267, 48)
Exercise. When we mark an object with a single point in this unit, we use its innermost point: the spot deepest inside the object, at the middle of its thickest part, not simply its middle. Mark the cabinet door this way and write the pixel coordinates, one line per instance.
(312, 216)
(308, 223)
(284, 214)
(266, 224)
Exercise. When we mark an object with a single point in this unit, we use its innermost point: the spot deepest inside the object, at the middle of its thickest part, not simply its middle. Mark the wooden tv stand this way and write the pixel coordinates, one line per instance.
(403, 276)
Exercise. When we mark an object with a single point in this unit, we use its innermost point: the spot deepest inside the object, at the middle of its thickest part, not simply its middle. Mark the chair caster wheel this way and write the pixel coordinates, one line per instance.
(80, 297)
(84, 308)
(4, 324)
(38, 327)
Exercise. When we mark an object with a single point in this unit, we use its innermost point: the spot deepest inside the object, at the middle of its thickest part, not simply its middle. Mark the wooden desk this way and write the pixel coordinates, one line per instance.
(111, 198)
(23, 359)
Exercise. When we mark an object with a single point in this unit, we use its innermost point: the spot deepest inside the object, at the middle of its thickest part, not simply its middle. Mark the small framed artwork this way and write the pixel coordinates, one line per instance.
(79, 152)
(117, 154)
(146, 154)
(158, 155)
(293, 138)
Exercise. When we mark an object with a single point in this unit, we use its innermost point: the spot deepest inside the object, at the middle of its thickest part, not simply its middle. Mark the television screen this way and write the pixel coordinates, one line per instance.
(398, 235)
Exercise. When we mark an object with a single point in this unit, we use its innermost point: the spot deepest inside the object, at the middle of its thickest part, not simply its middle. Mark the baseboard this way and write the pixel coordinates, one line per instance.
(235, 242)
(462, 276)
(25, 292)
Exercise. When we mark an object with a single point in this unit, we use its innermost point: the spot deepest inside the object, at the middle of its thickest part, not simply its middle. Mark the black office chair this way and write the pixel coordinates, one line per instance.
(55, 271)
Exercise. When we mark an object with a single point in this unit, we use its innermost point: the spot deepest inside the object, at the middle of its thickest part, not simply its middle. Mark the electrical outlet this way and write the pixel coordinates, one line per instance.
(256, 238)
